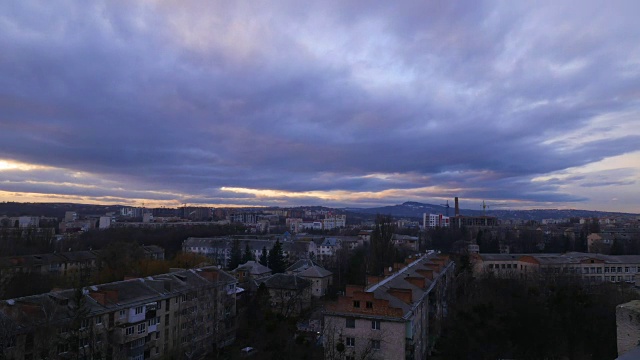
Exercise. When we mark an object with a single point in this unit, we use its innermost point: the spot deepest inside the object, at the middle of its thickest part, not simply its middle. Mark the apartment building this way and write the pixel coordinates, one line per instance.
(183, 314)
(393, 317)
(430, 221)
(219, 249)
(590, 267)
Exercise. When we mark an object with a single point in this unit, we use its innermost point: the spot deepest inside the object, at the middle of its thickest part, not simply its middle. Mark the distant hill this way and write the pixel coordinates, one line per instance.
(412, 209)
(53, 209)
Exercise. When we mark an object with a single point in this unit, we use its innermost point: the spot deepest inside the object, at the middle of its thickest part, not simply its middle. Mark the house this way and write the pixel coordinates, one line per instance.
(406, 241)
(320, 277)
(251, 270)
(328, 248)
(393, 317)
(289, 294)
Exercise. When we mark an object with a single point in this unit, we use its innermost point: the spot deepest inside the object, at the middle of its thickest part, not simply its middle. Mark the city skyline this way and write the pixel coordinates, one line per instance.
(339, 104)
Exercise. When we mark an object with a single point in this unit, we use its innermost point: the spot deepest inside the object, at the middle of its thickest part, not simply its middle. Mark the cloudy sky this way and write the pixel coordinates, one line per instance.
(336, 103)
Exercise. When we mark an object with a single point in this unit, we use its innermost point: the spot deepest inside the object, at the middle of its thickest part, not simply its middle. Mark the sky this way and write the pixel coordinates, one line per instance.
(522, 104)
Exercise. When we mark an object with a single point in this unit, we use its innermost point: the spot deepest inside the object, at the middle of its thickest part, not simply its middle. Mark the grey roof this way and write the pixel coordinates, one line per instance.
(254, 268)
(285, 281)
(315, 271)
(307, 268)
(398, 281)
(29, 310)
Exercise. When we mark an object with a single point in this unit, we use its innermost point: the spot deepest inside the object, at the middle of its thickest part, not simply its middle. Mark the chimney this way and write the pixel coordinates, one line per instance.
(402, 294)
(100, 297)
(417, 281)
(428, 274)
(457, 207)
(209, 274)
(372, 279)
(350, 289)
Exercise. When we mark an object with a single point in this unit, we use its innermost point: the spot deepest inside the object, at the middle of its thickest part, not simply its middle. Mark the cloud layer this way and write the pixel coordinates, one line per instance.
(333, 103)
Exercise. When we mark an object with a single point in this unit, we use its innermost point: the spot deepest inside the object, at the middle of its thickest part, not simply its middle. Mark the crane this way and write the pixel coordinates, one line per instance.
(484, 207)
(446, 206)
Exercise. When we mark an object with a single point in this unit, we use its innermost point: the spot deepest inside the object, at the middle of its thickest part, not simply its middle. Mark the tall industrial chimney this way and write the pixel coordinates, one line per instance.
(457, 207)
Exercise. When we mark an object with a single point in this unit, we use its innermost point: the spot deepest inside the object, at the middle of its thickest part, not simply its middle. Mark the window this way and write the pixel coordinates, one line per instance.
(84, 323)
(142, 328)
(98, 320)
(375, 324)
(122, 313)
(158, 319)
(351, 323)
(490, 266)
(151, 321)
(369, 305)
(129, 331)
(168, 304)
(626, 269)
(619, 269)
(351, 342)
(63, 348)
(139, 310)
(356, 303)
(375, 344)
(599, 270)
(503, 266)
(82, 342)
(11, 342)
(159, 305)
(508, 266)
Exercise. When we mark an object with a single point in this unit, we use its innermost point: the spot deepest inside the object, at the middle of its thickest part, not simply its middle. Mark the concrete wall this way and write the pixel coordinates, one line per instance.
(628, 326)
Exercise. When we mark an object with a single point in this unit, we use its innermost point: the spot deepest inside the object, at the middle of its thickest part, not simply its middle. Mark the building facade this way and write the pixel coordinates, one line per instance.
(590, 267)
(184, 314)
(393, 317)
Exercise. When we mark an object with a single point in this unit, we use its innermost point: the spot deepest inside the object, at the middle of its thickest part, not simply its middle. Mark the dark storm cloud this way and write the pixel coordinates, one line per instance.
(186, 98)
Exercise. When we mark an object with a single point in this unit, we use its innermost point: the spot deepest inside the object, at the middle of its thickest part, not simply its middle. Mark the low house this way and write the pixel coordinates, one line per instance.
(320, 277)
(289, 294)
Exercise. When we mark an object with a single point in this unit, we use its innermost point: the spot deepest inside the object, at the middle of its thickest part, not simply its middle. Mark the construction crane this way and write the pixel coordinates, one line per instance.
(446, 206)
(484, 208)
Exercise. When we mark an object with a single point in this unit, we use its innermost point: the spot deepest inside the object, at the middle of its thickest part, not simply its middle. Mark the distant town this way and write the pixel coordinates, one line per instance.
(413, 281)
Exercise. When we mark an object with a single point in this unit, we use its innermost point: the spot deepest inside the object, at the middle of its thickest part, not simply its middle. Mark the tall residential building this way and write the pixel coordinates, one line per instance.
(434, 220)
(394, 317)
(184, 314)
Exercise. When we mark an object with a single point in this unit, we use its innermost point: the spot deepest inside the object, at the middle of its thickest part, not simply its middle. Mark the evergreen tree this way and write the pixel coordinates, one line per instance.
(276, 258)
(617, 248)
(248, 254)
(264, 259)
(236, 255)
